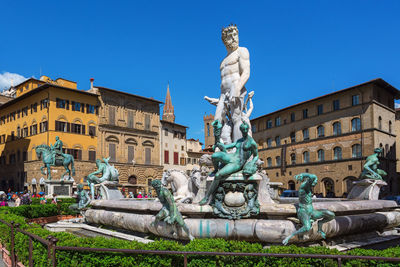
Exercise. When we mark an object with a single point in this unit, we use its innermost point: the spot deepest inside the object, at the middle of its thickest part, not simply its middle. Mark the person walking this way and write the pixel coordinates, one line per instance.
(18, 201)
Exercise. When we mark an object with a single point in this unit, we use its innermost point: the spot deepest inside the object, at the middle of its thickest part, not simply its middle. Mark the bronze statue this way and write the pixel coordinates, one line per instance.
(306, 213)
(169, 213)
(370, 170)
(226, 164)
(83, 199)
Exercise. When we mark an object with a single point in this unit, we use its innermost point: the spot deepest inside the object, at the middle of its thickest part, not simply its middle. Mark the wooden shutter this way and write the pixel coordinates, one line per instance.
(166, 157)
(130, 153)
(83, 129)
(147, 122)
(176, 158)
(130, 119)
(111, 115)
(111, 148)
(147, 155)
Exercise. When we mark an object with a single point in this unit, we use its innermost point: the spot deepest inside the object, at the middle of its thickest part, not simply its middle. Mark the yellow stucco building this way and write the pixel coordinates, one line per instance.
(42, 110)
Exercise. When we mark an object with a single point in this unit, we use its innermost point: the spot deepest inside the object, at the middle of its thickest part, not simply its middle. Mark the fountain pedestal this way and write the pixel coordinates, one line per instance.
(58, 187)
(367, 189)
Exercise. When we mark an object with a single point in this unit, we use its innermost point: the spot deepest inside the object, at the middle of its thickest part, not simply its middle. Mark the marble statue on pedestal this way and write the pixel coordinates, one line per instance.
(108, 173)
(235, 71)
(306, 213)
(53, 156)
(169, 213)
(370, 170)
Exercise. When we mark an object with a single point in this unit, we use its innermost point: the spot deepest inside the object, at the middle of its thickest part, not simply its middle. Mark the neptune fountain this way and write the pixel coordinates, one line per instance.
(231, 197)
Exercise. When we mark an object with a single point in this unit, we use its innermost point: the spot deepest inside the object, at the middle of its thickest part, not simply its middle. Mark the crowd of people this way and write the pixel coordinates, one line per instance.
(127, 194)
(23, 198)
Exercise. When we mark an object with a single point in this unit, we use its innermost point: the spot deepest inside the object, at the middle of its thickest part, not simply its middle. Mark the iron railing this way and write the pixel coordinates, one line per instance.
(52, 248)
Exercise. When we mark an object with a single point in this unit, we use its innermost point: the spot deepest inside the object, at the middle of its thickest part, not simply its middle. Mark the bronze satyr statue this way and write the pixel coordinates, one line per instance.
(169, 213)
(370, 170)
(306, 213)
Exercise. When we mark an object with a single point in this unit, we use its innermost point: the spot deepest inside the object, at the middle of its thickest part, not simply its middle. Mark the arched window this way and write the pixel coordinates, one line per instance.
(306, 157)
(18, 131)
(329, 187)
(380, 123)
(278, 140)
(321, 155)
(291, 185)
(390, 127)
(269, 162)
(337, 153)
(355, 124)
(337, 128)
(293, 158)
(356, 151)
(278, 161)
(269, 142)
(320, 131)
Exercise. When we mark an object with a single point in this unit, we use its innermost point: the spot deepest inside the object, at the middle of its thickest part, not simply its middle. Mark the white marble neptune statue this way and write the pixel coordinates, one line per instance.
(235, 71)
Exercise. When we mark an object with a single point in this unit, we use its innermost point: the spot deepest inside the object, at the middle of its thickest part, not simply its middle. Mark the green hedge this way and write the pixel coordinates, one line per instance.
(36, 201)
(37, 211)
(71, 258)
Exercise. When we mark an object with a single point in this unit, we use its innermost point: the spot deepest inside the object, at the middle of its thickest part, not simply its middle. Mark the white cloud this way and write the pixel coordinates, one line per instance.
(7, 79)
(397, 105)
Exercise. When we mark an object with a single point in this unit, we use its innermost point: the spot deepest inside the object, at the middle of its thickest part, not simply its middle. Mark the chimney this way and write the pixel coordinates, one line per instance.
(91, 83)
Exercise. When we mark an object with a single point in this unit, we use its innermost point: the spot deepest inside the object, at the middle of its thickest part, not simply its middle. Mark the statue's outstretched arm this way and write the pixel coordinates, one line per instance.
(212, 101)
(229, 146)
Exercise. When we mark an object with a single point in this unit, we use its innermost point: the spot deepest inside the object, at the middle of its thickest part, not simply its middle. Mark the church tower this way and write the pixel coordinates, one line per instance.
(168, 111)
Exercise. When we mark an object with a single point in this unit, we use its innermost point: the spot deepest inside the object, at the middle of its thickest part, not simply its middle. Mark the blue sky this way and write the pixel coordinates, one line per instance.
(298, 49)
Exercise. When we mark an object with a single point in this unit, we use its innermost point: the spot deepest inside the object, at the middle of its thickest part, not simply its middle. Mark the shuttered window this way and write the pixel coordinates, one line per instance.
(166, 157)
(111, 115)
(176, 158)
(147, 122)
(147, 155)
(111, 151)
(130, 118)
(131, 150)
(92, 155)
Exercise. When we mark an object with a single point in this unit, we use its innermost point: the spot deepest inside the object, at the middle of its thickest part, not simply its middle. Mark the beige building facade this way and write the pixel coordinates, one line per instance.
(331, 136)
(129, 133)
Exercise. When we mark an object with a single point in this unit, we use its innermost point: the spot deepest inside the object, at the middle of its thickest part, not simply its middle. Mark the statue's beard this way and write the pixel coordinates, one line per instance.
(232, 46)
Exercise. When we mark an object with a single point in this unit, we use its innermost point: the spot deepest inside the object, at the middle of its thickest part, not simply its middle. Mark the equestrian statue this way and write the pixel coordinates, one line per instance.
(53, 156)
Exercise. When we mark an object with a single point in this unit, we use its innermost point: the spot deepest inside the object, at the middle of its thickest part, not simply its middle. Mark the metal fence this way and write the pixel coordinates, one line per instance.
(51, 243)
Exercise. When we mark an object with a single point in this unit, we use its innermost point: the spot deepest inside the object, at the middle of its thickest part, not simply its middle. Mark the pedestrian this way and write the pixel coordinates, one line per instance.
(42, 199)
(3, 201)
(54, 200)
(26, 198)
(140, 195)
(18, 201)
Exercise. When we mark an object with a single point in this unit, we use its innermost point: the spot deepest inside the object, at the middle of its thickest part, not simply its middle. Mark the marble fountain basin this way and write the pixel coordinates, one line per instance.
(275, 221)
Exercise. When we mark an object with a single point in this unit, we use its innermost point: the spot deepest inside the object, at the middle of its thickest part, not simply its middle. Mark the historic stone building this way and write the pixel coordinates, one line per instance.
(331, 136)
(40, 111)
(129, 133)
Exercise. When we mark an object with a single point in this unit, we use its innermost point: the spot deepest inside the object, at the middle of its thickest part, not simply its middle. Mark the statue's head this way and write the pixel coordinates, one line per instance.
(98, 161)
(244, 128)
(230, 37)
(156, 184)
(217, 125)
(57, 138)
(378, 150)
